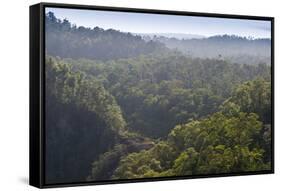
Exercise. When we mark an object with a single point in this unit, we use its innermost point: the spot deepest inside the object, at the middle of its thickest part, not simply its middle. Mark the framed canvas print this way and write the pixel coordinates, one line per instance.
(128, 95)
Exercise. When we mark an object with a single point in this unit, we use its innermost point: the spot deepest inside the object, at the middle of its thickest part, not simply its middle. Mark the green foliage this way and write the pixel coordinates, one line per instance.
(254, 96)
(186, 163)
(217, 144)
(73, 87)
(160, 91)
(153, 104)
(218, 128)
(103, 168)
(220, 144)
(154, 162)
(76, 103)
(216, 131)
(119, 106)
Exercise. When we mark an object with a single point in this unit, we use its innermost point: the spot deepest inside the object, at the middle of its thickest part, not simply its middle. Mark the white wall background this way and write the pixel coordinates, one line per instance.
(14, 88)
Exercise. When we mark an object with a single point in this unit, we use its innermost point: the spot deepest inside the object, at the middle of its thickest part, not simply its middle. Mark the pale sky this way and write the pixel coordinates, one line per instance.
(156, 23)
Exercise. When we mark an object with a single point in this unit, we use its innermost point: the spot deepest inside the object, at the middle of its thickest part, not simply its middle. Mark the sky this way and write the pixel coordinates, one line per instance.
(156, 23)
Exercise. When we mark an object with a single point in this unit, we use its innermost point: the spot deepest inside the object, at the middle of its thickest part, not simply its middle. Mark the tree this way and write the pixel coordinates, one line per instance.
(80, 115)
(254, 96)
(217, 144)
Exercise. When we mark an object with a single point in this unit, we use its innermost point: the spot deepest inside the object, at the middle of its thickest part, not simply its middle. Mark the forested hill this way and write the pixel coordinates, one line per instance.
(121, 106)
(66, 40)
(232, 48)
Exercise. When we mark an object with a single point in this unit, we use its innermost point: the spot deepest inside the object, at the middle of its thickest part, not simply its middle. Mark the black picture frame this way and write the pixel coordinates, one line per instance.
(37, 93)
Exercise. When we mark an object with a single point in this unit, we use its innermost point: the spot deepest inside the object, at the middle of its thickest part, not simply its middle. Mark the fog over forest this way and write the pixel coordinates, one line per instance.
(122, 105)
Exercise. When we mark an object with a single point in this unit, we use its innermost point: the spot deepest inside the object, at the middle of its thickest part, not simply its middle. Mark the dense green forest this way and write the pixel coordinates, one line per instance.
(119, 106)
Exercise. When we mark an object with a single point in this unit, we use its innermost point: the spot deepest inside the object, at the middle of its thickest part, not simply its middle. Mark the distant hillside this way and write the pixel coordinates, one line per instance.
(232, 48)
(69, 41)
(179, 36)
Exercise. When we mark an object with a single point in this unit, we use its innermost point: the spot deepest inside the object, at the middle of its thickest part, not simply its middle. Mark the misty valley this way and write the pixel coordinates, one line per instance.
(121, 105)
